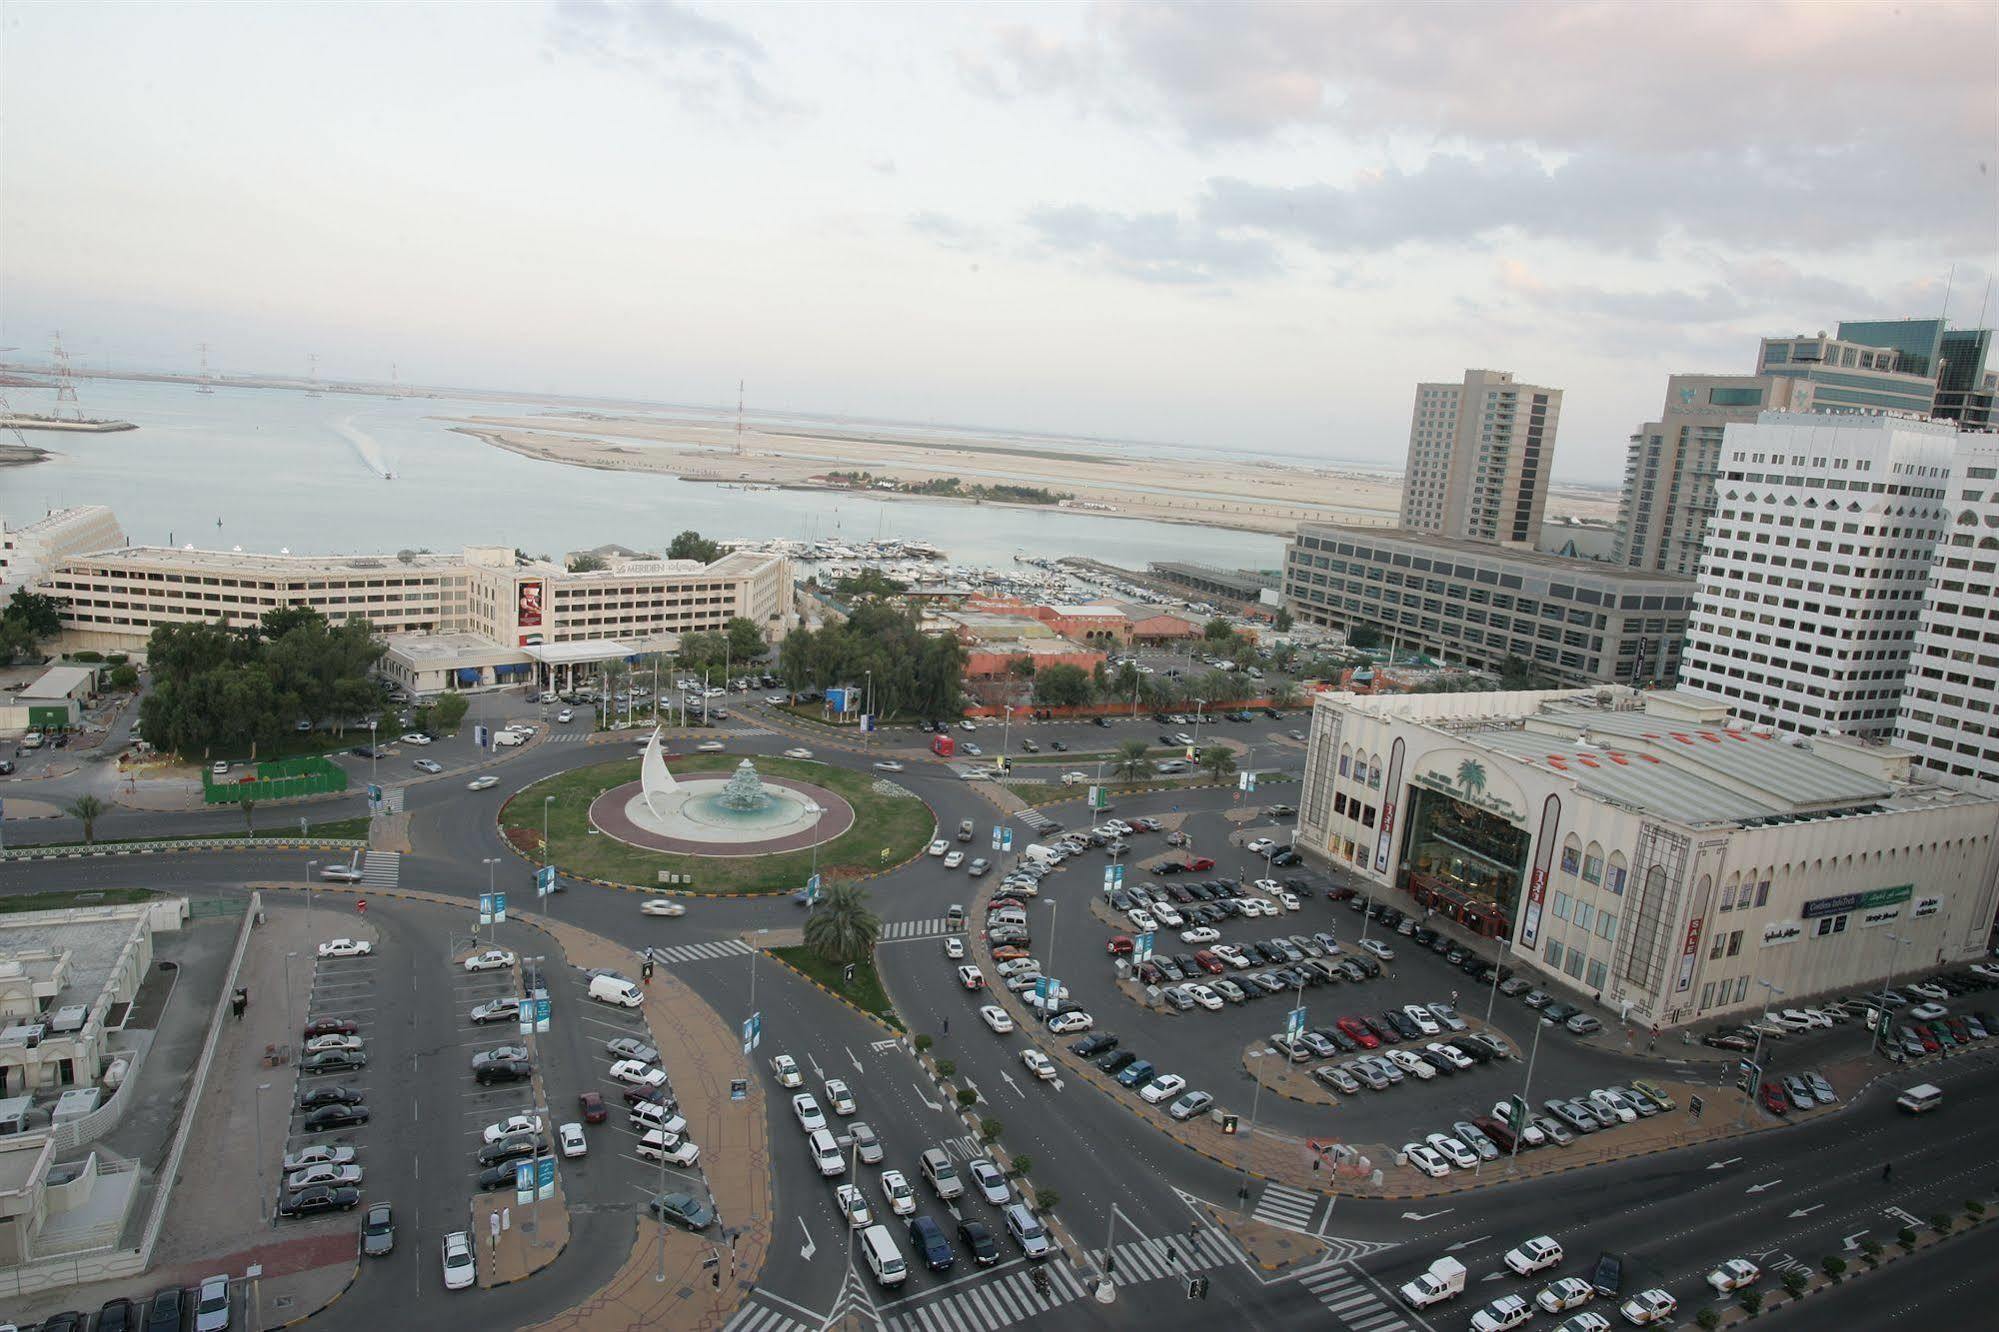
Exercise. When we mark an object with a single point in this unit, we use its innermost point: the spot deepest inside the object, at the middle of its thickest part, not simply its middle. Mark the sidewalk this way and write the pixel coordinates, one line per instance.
(530, 1235)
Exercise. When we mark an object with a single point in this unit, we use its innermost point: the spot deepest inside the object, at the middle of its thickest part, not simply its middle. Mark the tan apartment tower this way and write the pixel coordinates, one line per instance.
(1479, 455)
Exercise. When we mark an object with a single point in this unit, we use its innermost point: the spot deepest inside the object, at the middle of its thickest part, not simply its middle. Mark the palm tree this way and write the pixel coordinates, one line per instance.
(1284, 694)
(86, 809)
(1219, 760)
(842, 929)
(1128, 764)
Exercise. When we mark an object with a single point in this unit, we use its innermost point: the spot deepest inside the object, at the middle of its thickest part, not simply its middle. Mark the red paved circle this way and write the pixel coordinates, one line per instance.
(607, 813)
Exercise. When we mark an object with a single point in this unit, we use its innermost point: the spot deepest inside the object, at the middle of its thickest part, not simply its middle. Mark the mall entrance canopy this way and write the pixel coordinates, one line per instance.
(560, 664)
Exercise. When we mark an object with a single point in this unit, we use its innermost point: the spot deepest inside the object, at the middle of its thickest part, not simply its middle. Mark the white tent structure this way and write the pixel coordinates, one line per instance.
(655, 782)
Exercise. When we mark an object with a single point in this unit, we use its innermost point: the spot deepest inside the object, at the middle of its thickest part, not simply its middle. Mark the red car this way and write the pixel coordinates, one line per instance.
(1209, 963)
(1359, 1034)
(1201, 863)
(1337, 894)
(633, 1095)
(593, 1107)
(331, 1027)
(1120, 945)
(1773, 1100)
(1009, 953)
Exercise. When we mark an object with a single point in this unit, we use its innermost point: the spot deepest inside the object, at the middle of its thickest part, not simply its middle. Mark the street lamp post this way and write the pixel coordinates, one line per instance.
(867, 736)
(1199, 703)
(1895, 942)
(290, 1026)
(311, 873)
(373, 745)
(1756, 1058)
(263, 1198)
(1006, 733)
(491, 862)
(1255, 1099)
(1051, 937)
(1505, 947)
(547, 856)
(1513, 1161)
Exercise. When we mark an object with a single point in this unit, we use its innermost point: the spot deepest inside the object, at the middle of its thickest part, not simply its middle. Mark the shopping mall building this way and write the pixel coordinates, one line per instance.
(1644, 848)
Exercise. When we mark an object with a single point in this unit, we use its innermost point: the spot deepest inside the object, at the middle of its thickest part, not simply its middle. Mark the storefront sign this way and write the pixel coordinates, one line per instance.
(1530, 920)
(1688, 951)
(1928, 906)
(1388, 806)
(1879, 897)
(1467, 784)
(1881, 917)
(1781, 932)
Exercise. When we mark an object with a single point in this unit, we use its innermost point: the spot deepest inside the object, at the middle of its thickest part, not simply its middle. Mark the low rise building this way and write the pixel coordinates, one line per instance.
(1647, 849)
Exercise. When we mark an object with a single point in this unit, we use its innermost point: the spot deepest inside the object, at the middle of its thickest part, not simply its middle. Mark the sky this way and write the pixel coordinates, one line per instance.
(1244, 225)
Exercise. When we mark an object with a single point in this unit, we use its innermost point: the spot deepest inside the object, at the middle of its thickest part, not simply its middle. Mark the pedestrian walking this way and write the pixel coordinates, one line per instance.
(947, 1026)
(1887, 1169)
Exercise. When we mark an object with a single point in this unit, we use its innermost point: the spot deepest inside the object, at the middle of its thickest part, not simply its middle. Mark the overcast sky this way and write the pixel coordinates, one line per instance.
(1253, 226)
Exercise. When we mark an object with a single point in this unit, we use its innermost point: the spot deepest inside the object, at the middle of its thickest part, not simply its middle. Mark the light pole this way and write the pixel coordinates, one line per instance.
(1895, 942)
(1255, 1099)
(1513, 1160)
(490, 862)
(547, 856)
(373, 745)
(311, 873)
(818, 813)
(1051, 938)
(263, 1198)
(1199, 703)
(1505, 947)
(1756, 1058)
(867, 737)
(1006, 733)
(290, 1026)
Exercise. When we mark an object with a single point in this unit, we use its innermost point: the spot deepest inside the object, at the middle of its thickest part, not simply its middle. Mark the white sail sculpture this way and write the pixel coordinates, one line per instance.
(655, 782)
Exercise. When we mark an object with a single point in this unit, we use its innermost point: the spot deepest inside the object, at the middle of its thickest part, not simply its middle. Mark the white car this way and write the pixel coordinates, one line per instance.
(1459, 1155)
(428, 765)
(1450, 1054)
(1409, 1062)
(1039, 1064)
(806, 1107)
(954, 948)
(967, 726)
(1062, 1024)
(954, 859)
(939, 847)
(570, 1136)
(1614, 1106)
(1733, 1275)
(801, 753)
(1426, 1160)
(1163, 1088)
(486, 783)
(1504, 1313)
(853, 1206)
(839, 1097)
(416, 738)
(900, 1197)
(1379, 949)
(889, 765)
(786, 1069)
(996, 1018)
(493, 959)
(1565, 1293)
(1141, 920)
(971, 977)
(346, 948)
(1424, 1020)
(459, 1267)
(1290, 901)
(1204, 934)
(341, 874)
(312, 1156)
(1205, 997)
(565, 716)
(1536, 1255)
(668, 1146)
(709, 747)
(663, 906)
(1258, 847)
(337, 1175)
(826, 1153)
(512, 1124)
(1927, 1012)
(636, 1073)
(1648, 1306)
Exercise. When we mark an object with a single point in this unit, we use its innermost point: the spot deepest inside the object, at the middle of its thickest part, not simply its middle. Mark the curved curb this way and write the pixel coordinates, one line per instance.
(345, 1286)
(876, 1018)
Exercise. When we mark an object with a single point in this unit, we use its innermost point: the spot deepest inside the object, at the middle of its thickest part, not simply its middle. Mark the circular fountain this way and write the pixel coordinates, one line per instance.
(703, 814)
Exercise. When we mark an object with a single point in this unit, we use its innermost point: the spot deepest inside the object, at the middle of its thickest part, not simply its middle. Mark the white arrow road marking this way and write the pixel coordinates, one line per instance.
(1852, 1242)
(1716, 1165)
(1805, 1211)
(817, 1071)
(1768, 1184)
(1492, 1276)
(1904, 1217)
(1425, 1216)
(855, 1062)
(925, 1099)
(1007, 1078)
(1056, 1083)
(1465, 1244)
(808, 1248)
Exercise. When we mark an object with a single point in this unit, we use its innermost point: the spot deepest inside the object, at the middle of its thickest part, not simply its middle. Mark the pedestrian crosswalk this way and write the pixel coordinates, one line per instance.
(1351, 1300)
(932, 928)
(991, 1302)
(754, 1317)
(569, 738)
(381, 869)
(1157, 1258)
(1289, 1208)
(700, 952)
(391, 801)
(1038, 821)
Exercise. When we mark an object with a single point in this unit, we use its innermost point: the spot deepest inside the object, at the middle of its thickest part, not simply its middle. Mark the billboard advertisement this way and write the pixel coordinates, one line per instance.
(529, 604)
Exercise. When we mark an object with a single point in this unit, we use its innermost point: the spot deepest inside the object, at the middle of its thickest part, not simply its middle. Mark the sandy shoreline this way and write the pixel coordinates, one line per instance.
(1249, 496)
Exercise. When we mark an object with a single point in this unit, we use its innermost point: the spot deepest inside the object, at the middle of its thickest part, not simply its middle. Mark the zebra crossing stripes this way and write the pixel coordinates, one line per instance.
(754, 1317)
(1355, 1303)
(701, 951)
(998, 1302)
(1286, 1207)
(391, 801)
(569, 738)
(1038, 821)
(1159, 1257)
(382, 869)
(932, 928)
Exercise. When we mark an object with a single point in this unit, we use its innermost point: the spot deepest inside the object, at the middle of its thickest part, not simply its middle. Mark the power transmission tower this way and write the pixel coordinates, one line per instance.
(65, 381)
(312, 380)
(206, 378)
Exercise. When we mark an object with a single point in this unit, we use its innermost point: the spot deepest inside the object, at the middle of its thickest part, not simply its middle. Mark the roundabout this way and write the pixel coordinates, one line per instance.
(744, 814)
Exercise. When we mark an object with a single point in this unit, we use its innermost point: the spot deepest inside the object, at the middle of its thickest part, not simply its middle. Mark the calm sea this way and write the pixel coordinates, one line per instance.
(271, 469)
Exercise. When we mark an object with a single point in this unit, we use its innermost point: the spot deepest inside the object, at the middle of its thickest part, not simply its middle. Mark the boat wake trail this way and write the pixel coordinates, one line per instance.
(365, 446)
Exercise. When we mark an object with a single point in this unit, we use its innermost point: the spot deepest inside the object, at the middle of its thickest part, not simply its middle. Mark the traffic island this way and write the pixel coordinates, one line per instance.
(1281, 1077)
(515, 1239)
(1271, 1248)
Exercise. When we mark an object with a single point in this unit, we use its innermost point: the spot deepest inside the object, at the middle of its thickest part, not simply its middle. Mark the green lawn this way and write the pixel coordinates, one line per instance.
(63, 901)
(901, 826)
(865, 993)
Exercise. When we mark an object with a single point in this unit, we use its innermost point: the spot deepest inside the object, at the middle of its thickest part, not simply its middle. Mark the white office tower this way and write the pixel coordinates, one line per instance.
(1950, 703)
(1811, 582)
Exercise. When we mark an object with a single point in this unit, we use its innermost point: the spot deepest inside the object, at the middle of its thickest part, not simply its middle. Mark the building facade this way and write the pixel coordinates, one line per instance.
(1950, 703)
(27, 552)
(1479, 456)
(1811, 582)
(1644, 850)
(1470, 603)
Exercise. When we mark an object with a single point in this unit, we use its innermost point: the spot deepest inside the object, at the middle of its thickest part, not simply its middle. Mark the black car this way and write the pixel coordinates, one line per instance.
(927, 1238)
(332, 1117)
(363, 751)
(1608, 1276)
(378, 1231)
(496, 1179)
(1100, 721)
(1403, 1023)
(332, 1061)
(117, 1315)
(316, 1097)
(503, 1071)
(1423, 936)
(1059, 746)
(978, 1242)
(1368, 965)
(306, 1202)
(1443, 1066)
(510, 1148)
(1094, 1044)
(1170, 867)
(683, 1209)
(1286, 858)
(1116, 1060)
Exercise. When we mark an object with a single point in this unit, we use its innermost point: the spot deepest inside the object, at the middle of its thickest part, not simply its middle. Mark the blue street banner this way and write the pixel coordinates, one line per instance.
(997, 830)
(753, 1032)
(485, 908)
(499, 908)
(1294, 1023)
(374, 794)
(541, 1010)
(812, 890)
(1141, 948)
(1006, 839)
(482, 737)
(524, 1181)
(545, 1175)
(544, 881)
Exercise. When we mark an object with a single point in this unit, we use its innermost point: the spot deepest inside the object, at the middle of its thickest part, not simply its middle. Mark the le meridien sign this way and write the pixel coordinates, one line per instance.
(1845, 902)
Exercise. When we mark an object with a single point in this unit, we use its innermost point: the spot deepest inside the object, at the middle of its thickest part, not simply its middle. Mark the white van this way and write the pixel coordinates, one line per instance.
(1040, 854)
(616, 990)
(1917, 1100)
(884, 1259)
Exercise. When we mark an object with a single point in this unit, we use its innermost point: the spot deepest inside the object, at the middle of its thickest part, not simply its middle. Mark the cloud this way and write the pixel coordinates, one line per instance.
(950, 232)
(707, 64)
(1151, 247)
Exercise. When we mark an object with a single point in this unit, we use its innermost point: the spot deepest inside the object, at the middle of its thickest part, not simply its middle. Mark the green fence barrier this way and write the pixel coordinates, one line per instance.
(281, 779)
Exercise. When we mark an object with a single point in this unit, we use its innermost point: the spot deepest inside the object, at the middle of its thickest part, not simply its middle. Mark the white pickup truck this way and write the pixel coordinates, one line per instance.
(1445, 1279)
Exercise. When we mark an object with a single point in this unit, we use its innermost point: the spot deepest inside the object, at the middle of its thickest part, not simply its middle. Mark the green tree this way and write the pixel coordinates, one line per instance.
(869, 583)
(1282, 621)
(124, 677)
(1021, 667)
(41, 615)
(1217, 630)
(1218, 761)
(1517, 673)
(691, 545)
(1285, 694)
(842, 929)
(587, 563)
(1364, 637)
(1062, 686)
(1128, 763)
(86, 809)
(448, 711)
(746, 640)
